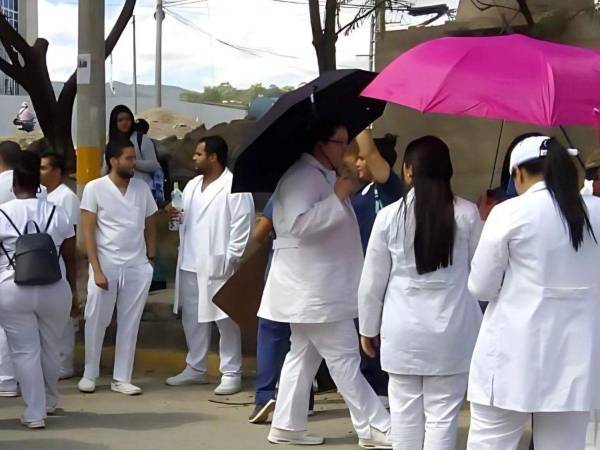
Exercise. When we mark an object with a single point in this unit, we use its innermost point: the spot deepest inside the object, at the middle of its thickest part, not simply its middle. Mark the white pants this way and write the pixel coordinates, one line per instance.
(7, 371)
(593, 432)
(67, 348)
(425, 410)
(198, 335)
(127, 289)
(500, 429)
(337, 343)
(34, 319)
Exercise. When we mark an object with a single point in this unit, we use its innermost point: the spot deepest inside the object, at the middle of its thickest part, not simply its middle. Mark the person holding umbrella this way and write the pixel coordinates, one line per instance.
(539, 345)
(313, 285)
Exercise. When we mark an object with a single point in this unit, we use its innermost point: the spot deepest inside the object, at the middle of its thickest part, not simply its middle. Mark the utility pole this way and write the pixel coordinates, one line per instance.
(159, 16)
(135, 97)
(91, 95)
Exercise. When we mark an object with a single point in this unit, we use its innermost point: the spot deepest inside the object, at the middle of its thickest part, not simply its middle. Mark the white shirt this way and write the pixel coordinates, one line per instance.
(538, 349)
(67, 200)
(120, 220)
(189, 258)
(428, 322)
(21, 212)
(318, 255)
(6, 184)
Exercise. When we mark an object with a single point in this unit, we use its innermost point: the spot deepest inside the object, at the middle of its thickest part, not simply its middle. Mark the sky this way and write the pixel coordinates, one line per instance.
(278, 33)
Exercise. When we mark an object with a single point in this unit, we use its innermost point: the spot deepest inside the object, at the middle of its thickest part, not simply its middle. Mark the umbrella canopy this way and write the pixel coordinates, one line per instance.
(514, 78)
(278, 138)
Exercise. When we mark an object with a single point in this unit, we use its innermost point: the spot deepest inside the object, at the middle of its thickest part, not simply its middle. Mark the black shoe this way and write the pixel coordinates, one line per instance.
(261, 412)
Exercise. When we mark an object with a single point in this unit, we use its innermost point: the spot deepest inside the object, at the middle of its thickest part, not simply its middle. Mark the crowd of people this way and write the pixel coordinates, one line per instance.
(384, 277)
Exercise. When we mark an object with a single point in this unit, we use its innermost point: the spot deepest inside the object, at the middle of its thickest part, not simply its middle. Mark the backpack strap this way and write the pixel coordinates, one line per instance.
(37, 227)
(11, 222)
(50, 219)
(10, 260)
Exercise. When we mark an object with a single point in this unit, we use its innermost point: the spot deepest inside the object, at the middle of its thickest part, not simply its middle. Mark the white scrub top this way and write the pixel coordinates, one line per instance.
(428, 322)
(538, 349)
(21, 212)
(120, 220)
(6, 182)
(67, 200)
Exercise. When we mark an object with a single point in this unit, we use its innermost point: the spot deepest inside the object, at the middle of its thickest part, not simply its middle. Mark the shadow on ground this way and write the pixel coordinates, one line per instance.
(44, 444)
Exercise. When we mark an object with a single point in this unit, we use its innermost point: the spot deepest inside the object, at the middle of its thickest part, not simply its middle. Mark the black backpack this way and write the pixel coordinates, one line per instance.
(35, 260)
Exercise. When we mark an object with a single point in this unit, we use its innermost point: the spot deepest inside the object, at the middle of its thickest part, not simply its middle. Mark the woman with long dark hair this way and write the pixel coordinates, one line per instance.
(413, 295)
(539, 345)
(121, 125)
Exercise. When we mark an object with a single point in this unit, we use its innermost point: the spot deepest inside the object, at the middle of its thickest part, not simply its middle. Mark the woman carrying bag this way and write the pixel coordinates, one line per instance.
(35, 298)
(413, 294)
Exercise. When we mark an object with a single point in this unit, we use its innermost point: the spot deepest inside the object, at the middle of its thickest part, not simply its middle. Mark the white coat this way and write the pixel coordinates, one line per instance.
(223, 229)
(318, 256)
(539, 345)
(428, 323)
(6, 184)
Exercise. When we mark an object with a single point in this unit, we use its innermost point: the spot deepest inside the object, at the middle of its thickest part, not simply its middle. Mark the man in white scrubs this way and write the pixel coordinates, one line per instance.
(313, 285)
(117, 219)
(213, 235)
(9, 153)
(52, 170)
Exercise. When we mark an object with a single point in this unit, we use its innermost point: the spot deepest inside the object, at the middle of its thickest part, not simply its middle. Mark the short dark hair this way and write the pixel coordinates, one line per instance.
(26, 172)
(323, 129)
(216, 145)
(10, 152)
(387, 148)
(57, 161)
(142, 126)
(592, 174)
(115, 149)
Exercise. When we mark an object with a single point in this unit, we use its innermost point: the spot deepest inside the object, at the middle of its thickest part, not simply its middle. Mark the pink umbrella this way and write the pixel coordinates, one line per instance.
(514, 78)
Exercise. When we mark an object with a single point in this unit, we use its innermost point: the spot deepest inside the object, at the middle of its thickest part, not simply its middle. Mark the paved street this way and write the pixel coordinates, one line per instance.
(164, 418)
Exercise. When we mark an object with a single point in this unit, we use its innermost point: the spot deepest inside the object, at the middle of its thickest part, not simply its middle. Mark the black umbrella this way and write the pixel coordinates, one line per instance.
(278, 138)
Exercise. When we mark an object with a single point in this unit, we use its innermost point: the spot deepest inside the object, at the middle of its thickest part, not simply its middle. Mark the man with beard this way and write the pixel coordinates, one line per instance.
(117, 218)
(215, 227)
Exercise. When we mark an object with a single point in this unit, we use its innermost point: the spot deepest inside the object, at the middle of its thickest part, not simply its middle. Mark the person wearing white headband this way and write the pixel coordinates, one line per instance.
(539, 345)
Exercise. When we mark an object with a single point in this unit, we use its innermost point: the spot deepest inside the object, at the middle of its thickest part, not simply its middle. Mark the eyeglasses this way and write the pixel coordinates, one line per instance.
(333, 141)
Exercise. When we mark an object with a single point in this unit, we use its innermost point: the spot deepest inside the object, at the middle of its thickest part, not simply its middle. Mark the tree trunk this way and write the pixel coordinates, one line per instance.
(326, 55)
(324, 38)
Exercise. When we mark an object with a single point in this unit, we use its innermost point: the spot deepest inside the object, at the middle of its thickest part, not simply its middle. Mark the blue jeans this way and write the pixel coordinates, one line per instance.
(273, 343)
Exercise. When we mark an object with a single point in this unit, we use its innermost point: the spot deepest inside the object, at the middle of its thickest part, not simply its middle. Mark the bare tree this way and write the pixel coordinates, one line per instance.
(27, 65)
(325, 33)
(521, 7)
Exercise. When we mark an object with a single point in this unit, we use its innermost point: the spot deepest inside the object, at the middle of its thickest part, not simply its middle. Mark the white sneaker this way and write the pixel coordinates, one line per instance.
(229, 385)
(279, 436)
(385, 400)
(66, 375)
(50, 410)
(378, 440)
(33, 424)
(9, 393)
(188, 377)
(86, 385)
(125, 388)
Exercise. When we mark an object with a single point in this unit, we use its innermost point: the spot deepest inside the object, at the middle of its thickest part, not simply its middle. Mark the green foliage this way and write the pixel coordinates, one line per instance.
(225, 93)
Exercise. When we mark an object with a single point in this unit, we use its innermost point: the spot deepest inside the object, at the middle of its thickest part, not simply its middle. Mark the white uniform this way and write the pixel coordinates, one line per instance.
(214, 233)
(428, 324)
(67, 200)
(313, 285)
(34, 316)
(7, 371)
(122, 256)
(538, 350)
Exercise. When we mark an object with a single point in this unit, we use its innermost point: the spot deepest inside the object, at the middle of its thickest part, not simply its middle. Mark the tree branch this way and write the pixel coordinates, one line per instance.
(10, 37)
(524, 8)
(315, 19)
(331, 12)
(8, 69)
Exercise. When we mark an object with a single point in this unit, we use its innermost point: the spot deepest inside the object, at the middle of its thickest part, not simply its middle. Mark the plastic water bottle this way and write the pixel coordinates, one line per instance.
(177, 203)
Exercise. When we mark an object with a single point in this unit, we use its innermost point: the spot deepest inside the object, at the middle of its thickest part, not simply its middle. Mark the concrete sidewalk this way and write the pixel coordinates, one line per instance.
(166, 418)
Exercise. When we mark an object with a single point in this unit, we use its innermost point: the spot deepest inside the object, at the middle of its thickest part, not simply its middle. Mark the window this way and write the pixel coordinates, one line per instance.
(10, 9)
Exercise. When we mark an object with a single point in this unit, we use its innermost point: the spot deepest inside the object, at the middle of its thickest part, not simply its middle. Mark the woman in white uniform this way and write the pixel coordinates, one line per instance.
(34, 317)
(413, 293)
(538, 350)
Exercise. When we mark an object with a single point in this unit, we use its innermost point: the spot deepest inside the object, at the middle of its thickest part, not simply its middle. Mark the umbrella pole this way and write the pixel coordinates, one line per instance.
(570, 142)
(497, 153)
